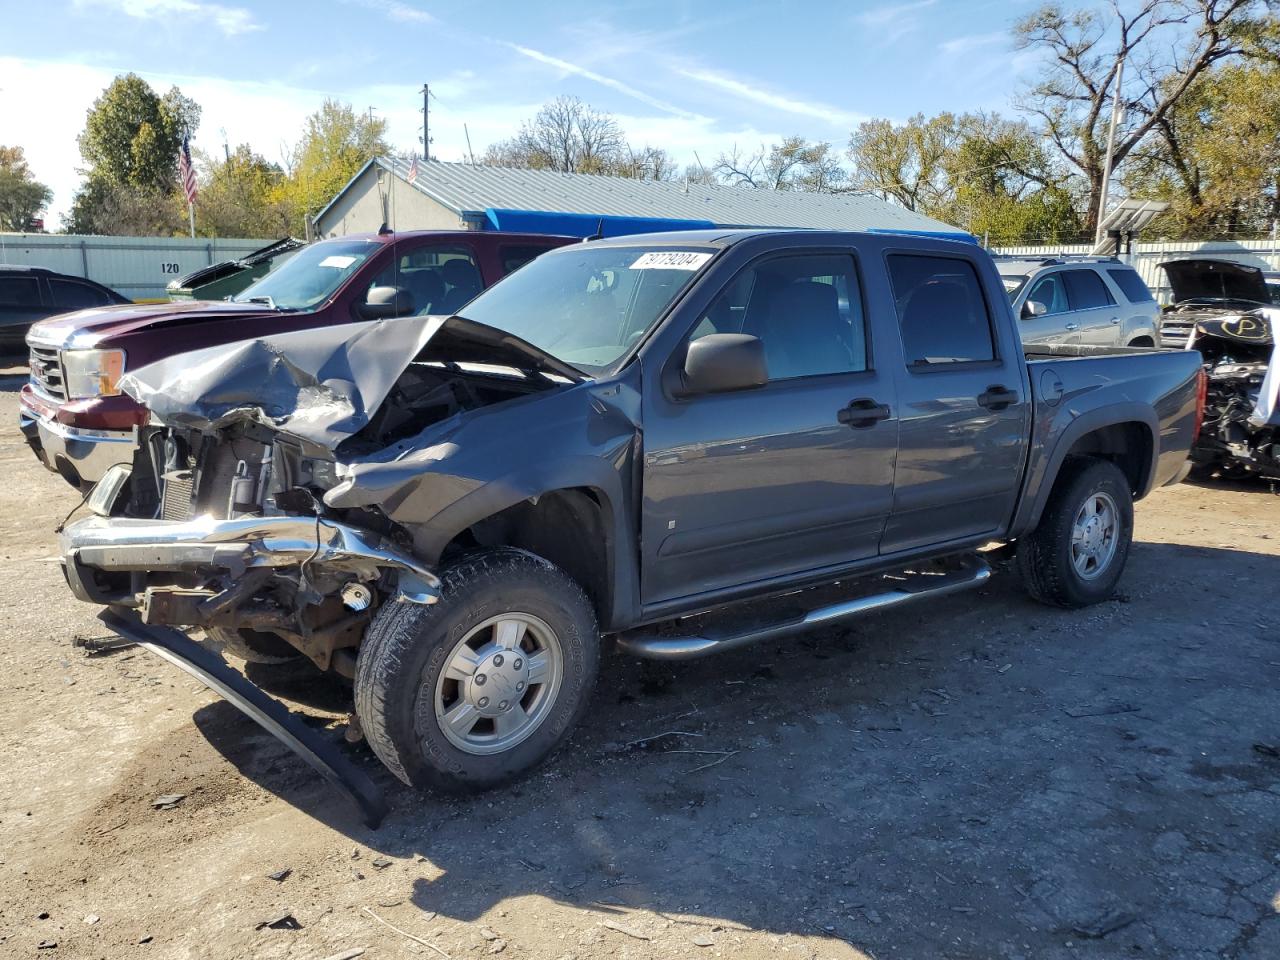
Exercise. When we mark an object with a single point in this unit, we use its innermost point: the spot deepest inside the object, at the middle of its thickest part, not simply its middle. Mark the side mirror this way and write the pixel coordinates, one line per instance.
(384, 302)
(1033, 308)
(720, 362)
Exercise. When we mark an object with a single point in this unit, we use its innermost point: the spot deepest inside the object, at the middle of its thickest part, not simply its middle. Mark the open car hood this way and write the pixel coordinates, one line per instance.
(1215, 280)
(319, 385)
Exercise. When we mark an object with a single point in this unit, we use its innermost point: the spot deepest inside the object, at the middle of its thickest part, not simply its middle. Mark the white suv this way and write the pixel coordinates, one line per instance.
(1089, 300)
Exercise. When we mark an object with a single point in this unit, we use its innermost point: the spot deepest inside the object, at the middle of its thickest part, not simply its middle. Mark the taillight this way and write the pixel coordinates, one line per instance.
(1202, 395)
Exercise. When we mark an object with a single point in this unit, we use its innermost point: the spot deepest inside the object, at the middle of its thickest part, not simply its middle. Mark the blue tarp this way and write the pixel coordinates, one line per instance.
(584, 224)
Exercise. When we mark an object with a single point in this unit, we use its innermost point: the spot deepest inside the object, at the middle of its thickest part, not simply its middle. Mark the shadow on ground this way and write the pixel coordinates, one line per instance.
(982, 771)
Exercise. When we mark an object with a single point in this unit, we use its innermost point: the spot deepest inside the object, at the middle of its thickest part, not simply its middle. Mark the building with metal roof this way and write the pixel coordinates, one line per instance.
(451, 196)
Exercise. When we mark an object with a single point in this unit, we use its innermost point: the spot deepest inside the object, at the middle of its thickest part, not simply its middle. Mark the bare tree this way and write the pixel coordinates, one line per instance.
(1165, 44)
(567, 135)
(793, 164)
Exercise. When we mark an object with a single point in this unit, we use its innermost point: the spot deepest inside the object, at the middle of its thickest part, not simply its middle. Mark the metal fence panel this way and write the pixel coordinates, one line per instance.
(138, 267)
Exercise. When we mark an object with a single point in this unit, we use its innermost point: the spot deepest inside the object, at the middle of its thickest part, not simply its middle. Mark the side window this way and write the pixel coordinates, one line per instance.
(1050, 291)
(941, 311)
(19, 292)
(1086, 290)
(513, 258)
(70, 295)
(807, 310)
(1131, 285)
(440, 279)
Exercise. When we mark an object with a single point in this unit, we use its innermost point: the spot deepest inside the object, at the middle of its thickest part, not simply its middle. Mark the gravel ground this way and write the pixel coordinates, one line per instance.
(979, 777)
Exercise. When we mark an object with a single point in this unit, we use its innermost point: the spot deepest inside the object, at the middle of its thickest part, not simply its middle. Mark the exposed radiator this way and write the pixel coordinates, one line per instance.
(178, 488)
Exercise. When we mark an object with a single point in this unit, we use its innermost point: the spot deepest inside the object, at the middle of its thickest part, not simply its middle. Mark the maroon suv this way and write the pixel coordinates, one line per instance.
(79, 424)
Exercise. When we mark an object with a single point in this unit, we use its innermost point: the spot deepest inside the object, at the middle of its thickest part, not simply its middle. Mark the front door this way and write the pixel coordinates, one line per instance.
(962, 412)
(1049, 325)
(763, 483)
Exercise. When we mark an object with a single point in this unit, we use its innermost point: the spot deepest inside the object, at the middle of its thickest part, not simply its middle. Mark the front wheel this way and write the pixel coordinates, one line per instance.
(1076, 554)
(479, 687)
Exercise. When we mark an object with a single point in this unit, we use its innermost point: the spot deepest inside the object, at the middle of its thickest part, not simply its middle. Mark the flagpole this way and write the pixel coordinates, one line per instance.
(191, 215)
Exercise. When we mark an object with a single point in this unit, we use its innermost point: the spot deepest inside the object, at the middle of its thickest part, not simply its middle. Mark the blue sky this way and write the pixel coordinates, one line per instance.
(687, 76)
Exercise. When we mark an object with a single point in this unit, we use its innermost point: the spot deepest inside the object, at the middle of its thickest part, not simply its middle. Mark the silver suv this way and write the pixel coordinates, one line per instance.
(1090, 300)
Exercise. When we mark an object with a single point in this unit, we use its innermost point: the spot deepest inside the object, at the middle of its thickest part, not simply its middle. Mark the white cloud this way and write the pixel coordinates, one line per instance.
(745, 91)
(572, 68)
(973, 41)
(230, 20)
(886, 15)
(397, 11)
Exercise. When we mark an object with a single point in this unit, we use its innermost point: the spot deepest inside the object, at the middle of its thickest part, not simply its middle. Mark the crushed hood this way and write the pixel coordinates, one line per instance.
(319, 385)
(1215, 280)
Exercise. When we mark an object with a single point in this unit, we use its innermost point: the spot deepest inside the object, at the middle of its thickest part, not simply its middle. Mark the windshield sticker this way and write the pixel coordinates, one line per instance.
(339, 262)
(671, 260)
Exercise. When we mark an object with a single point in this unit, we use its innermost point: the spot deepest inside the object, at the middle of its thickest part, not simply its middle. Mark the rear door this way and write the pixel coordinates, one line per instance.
(22, 303)
(962, 409)
(1093, 308)
(765, 483)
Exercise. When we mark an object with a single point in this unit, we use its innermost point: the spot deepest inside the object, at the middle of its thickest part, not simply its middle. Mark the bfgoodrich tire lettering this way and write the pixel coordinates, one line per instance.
(410, 649)
(1089, 496)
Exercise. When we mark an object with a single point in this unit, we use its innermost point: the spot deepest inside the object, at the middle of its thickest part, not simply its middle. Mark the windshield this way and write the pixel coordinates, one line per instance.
(587, 305)
(311, 275)
(1012, 283)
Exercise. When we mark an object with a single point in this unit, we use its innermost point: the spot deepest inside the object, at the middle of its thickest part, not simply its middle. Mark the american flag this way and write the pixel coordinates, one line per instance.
(413, 171)
(186, 171)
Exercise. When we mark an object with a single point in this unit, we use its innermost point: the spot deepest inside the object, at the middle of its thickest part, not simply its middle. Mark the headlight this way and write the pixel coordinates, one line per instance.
(92, 373)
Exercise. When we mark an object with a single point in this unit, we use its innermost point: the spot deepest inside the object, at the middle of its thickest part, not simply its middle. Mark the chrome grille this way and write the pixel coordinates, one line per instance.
(46, 372)
(1175, 333)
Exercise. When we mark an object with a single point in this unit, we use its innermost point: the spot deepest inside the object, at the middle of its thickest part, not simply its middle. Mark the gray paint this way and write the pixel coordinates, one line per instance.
(736, 494)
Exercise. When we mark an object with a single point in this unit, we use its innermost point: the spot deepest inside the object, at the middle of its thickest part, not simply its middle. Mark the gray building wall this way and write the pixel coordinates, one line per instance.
(360, 209)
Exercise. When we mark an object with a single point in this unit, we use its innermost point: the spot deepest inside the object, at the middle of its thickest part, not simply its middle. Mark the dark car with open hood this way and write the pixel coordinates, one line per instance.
(79, 423)
(1224, 311)
(684, 442)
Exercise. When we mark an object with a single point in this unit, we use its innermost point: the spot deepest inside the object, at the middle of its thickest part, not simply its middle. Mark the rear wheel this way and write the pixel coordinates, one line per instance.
(482, 685)
(1076, 555)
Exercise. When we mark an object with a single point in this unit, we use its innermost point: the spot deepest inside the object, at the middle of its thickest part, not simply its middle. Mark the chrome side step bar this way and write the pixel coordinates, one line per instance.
(648, 643)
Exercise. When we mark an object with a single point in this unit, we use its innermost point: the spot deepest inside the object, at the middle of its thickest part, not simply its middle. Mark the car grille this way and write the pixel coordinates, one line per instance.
(1174, 334)
(46, 372)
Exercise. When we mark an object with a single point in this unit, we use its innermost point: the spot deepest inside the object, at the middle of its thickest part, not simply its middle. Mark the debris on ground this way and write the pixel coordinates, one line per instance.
(168, 801)
(381, 863)
(347, 954)
(1108, 923)
(702, 940)
(284, 921)
(623, 929)
(279, 875)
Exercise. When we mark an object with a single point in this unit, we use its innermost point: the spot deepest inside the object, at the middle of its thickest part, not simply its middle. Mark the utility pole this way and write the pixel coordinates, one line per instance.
(426, 126)
(1116, 109)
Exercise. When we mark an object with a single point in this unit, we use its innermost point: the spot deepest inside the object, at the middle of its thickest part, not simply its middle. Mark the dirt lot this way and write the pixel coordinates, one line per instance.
(979, 778)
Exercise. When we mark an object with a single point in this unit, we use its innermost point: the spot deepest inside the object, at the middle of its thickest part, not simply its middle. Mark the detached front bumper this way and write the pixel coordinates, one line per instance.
(108, 545)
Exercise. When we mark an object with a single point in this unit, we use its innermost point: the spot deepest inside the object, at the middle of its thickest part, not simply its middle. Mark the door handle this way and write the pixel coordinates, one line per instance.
(997, 397)
(863, 412)
(1073, 326)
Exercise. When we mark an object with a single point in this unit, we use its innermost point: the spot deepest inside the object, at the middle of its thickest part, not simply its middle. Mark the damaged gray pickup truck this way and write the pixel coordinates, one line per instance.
(683, 442)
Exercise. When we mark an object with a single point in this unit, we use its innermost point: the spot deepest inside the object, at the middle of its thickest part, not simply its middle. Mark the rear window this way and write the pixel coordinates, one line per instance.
(1086, 290)
(941, 310)
(515, 257)
(1131, 285)
(73, 295)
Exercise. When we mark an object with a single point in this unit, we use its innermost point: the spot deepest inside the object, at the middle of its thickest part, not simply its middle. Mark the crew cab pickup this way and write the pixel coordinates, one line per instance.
(72, 412)
(683, 443)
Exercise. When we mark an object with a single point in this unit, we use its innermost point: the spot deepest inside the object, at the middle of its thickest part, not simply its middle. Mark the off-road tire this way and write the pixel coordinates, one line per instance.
(253, 646)
(406, 647)
(1044, 556)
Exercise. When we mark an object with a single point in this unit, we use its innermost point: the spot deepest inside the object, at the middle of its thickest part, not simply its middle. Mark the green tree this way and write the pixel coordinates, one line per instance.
(130, 148)
(240, 196)
(1216, 158)
(336, 142)
(21, 195)
(905, 163)
(1167, 45)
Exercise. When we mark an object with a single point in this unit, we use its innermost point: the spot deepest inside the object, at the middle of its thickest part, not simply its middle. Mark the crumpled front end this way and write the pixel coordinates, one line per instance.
(1241, 429)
